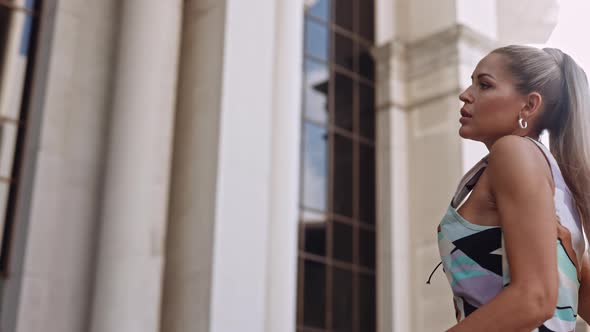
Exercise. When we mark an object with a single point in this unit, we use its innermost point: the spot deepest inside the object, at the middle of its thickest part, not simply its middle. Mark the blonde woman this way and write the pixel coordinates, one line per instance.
(514, 251)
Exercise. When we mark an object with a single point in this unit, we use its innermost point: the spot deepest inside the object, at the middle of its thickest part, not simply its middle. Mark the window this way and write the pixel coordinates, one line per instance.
(18, 24)
(336, 269)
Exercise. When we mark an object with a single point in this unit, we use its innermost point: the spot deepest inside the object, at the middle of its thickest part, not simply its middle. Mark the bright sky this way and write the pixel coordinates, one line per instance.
(571, 31)
(570, 34)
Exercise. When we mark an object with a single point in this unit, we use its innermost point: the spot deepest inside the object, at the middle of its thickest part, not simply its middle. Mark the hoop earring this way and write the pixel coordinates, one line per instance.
(520, 123)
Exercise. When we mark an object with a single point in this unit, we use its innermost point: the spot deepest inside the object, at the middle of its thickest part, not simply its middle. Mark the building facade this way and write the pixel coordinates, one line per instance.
(225, 165)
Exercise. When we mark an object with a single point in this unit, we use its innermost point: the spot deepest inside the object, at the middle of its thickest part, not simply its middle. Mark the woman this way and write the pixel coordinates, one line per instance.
(514, 250)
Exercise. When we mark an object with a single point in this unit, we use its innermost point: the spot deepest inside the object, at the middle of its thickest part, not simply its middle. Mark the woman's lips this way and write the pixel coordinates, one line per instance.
(464, 119)
(465, 116)
(465, 113)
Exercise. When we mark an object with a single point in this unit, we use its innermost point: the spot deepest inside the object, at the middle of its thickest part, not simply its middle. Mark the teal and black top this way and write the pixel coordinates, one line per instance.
(473, 255)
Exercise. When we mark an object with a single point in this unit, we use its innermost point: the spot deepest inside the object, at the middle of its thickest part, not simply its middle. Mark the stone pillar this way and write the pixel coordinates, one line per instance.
(135, 198)
(229, 102)
(393, 251)
(284, 206)
(186, 302)
(436, 68)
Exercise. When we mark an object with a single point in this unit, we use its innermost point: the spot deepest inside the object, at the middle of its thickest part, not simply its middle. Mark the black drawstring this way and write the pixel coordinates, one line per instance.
(428, 282)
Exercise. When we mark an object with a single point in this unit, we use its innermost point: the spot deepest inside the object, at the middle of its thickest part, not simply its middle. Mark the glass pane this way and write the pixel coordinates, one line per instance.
(367, 303)
(342, 175)
(342, 300)
(314, 226)
(342, 242)
(5, 15)
(366, 64)
(8, 133)
(4, 194)
(319, 9)
(367, 19)
(343, 13)
(13, 62)
(343, 101)
(316, 91)
(367, 184)
(367, 111)
(315, 166)
(316, 39)
(343, 51)
(314, 290)
(367, 248)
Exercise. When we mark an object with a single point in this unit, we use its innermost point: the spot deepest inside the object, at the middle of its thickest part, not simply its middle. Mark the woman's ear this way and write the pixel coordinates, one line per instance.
(533, 103)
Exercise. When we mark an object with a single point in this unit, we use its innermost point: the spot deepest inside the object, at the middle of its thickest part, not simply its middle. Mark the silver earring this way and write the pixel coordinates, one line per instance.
(521, 121)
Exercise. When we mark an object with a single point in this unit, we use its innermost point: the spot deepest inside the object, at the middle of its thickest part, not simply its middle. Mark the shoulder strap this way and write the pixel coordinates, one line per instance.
(468, 181)
(550, 159)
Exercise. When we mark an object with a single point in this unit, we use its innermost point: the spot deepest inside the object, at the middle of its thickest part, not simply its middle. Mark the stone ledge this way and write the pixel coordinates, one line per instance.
(429, 50)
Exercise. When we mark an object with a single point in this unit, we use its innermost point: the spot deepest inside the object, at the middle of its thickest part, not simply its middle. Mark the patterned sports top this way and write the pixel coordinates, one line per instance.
(474, 261)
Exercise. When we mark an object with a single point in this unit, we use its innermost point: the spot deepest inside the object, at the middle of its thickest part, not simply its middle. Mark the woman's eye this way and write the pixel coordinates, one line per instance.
(483, 86)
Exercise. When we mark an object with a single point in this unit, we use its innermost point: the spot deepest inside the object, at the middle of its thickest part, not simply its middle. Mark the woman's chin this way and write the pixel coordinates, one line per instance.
(464, 132)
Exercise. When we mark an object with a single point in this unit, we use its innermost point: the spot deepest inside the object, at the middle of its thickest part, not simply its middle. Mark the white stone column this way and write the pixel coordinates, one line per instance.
(284, 205)
(217, 250)
(393, 251)
(186, 302)
(135, 199)
(418, 87)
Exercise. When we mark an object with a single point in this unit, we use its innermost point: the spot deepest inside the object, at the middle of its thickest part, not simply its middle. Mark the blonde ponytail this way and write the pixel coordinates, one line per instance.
(566, 116)
(570, 142)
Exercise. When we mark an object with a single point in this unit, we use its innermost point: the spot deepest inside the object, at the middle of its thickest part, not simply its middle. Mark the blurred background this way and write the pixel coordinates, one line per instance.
(231, 165)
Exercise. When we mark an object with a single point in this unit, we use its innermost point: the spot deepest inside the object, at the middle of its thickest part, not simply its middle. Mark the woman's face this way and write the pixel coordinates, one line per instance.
(492, 104)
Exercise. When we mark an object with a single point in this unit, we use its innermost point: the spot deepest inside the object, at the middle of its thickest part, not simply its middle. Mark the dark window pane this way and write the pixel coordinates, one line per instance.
(367, 303)
(367, 19)
(342, 176)
(314, 226)
(342, 242)
(343, 51)
(367, 111)
(343, 101)
(316, 39)
(343, 13)
(4, 29)
(314, 290)
(5, 18)
(367, 248)
(367, 184)
(315, 166)
(338, 169)
(316, 91)
(342, 304)
(320, 9)
(366, 63)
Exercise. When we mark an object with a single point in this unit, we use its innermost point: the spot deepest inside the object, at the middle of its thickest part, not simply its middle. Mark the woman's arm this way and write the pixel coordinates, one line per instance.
(584, 292)
(521, 183)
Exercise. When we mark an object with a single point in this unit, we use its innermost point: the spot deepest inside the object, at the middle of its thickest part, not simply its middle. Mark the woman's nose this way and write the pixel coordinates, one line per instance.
(465, 96)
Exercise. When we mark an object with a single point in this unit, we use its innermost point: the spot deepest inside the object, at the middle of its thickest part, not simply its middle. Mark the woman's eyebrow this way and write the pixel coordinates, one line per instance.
(479, 76)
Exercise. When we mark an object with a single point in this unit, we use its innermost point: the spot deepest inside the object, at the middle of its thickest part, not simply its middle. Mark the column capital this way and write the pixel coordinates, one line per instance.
(404, 67)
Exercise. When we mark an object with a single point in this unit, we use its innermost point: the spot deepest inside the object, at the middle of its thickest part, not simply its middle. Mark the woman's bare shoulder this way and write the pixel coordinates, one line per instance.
(516, 161)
